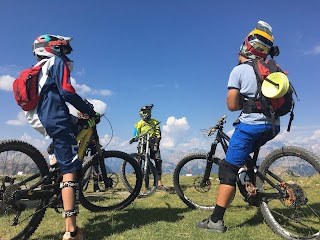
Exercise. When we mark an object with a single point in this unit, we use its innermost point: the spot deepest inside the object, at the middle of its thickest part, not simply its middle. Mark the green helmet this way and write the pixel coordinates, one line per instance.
(145, 112)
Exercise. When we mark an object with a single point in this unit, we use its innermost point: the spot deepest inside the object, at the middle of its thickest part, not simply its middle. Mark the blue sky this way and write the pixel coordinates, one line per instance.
(176, 54)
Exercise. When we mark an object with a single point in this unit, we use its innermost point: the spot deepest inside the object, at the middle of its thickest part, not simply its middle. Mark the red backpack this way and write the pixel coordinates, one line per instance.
(271, 107)
(25, 88)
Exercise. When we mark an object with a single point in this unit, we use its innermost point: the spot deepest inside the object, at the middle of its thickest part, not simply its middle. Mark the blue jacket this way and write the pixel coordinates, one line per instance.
(55, 91)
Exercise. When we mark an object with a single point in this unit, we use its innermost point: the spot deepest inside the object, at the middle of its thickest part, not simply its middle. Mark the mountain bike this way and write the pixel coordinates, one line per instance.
(285, 186)
(28, 187)
(149, 171)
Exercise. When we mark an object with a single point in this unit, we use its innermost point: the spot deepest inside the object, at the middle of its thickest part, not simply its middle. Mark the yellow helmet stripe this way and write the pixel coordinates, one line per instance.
(262, 33)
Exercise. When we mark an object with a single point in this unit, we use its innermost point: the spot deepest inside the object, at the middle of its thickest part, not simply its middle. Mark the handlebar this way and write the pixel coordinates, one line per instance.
(219, 124)
(135, 139)
(144, 134)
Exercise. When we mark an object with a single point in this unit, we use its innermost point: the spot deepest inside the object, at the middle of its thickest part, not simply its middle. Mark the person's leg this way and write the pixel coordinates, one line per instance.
(69, 201)
(238, 151)
(65, 150)
(158, 163)
(157, 160)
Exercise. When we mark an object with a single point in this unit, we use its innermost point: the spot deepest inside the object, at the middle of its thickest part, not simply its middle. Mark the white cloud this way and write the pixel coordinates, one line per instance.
(173, 131)
(314, 51)
(21, 120)
(6, 82)
(81, 72)
(99, 107)
(316, 135)
(299, 135)
(83, 89)
(39, 144)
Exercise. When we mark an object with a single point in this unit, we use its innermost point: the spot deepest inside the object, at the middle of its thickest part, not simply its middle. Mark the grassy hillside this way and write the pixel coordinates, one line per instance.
(160, 216)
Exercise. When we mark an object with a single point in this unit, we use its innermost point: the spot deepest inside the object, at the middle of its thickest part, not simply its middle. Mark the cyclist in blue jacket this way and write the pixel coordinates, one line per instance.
(52, 119)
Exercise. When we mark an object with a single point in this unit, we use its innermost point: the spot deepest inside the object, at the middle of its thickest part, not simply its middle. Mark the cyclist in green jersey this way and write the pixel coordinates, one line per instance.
(141, 127)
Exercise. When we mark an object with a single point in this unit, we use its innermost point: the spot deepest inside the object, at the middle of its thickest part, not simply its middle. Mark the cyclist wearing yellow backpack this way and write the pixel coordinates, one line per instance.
(250, 126)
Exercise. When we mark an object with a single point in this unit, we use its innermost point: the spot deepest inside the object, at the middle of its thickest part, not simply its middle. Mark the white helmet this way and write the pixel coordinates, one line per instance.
(46, 46)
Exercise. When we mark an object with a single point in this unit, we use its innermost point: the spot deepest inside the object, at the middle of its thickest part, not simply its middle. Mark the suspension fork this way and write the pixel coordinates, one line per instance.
(210, 161)
(146, 152)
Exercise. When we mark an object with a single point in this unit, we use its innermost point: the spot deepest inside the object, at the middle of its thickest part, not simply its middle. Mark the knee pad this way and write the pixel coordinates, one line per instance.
(70, 213)
(75, 211)
(228, 173)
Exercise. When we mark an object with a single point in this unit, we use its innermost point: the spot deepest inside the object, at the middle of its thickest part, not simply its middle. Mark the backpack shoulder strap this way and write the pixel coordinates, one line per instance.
(254, 65)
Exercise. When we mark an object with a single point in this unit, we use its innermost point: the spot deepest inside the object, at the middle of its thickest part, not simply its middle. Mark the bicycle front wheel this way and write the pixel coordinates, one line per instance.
(103, 191)
(21, 166)
(189, 185)
(297, 172)
(150, 175)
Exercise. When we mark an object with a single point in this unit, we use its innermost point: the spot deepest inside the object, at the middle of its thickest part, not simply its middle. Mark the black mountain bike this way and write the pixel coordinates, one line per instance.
(28, 187)
(285, 186)
(149, 171)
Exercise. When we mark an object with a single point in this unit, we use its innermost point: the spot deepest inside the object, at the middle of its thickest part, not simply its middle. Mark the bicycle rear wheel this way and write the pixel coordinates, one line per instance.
(21, 165)
(188, 184)
(112, 193)
(296, 216)
(150, 177)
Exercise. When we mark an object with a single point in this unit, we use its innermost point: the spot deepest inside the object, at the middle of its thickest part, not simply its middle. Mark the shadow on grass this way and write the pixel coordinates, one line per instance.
(256, 219)
(103, 225)
(129, 219)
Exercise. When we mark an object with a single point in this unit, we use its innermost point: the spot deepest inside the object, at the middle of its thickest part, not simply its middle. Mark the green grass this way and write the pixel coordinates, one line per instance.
(160, 216)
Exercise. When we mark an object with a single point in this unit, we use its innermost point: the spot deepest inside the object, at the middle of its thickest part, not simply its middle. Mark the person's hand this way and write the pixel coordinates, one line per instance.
(133, 140)
(97, 117)
(87, 123)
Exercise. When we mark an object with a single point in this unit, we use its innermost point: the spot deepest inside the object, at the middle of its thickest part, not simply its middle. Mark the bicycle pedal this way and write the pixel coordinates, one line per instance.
(251, 189)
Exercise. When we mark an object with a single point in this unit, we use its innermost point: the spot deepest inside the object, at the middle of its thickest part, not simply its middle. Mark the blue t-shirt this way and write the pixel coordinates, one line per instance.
(243, 78)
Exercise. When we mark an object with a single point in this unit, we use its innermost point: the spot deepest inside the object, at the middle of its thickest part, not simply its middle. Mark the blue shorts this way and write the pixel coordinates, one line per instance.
(243, 139)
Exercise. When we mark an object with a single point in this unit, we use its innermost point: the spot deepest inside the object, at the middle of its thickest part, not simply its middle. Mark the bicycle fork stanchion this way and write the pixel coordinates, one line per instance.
(83, 136)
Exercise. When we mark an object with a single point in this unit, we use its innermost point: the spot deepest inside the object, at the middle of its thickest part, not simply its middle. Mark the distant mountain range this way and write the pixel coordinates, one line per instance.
(171, 158)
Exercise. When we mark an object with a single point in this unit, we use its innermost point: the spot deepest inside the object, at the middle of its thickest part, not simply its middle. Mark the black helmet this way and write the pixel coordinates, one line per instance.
(145, 112)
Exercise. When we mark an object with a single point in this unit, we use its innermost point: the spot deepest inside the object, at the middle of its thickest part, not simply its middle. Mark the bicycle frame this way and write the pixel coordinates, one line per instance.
(83, 138)
(144, 146)
(224, 139)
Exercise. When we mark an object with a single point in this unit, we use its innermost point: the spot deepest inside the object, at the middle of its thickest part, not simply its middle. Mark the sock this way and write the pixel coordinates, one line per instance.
(218, 213)
(73, 234)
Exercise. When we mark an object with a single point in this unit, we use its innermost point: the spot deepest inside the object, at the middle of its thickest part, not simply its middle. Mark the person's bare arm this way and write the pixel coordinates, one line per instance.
(234, 100)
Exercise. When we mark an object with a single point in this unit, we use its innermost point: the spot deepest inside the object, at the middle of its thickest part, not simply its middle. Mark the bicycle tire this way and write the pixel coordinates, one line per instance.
(19, 160)
(115, 195)
(300, 169)
(146, 189)
(187, 177)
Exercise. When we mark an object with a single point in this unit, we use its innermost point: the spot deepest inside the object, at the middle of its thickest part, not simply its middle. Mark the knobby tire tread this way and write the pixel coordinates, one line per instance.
(273, 156)
(176, 181)
(39, 160)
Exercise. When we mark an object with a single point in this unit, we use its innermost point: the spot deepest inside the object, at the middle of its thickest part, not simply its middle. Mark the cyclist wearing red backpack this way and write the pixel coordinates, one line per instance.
(249, 127)
(51, 118)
